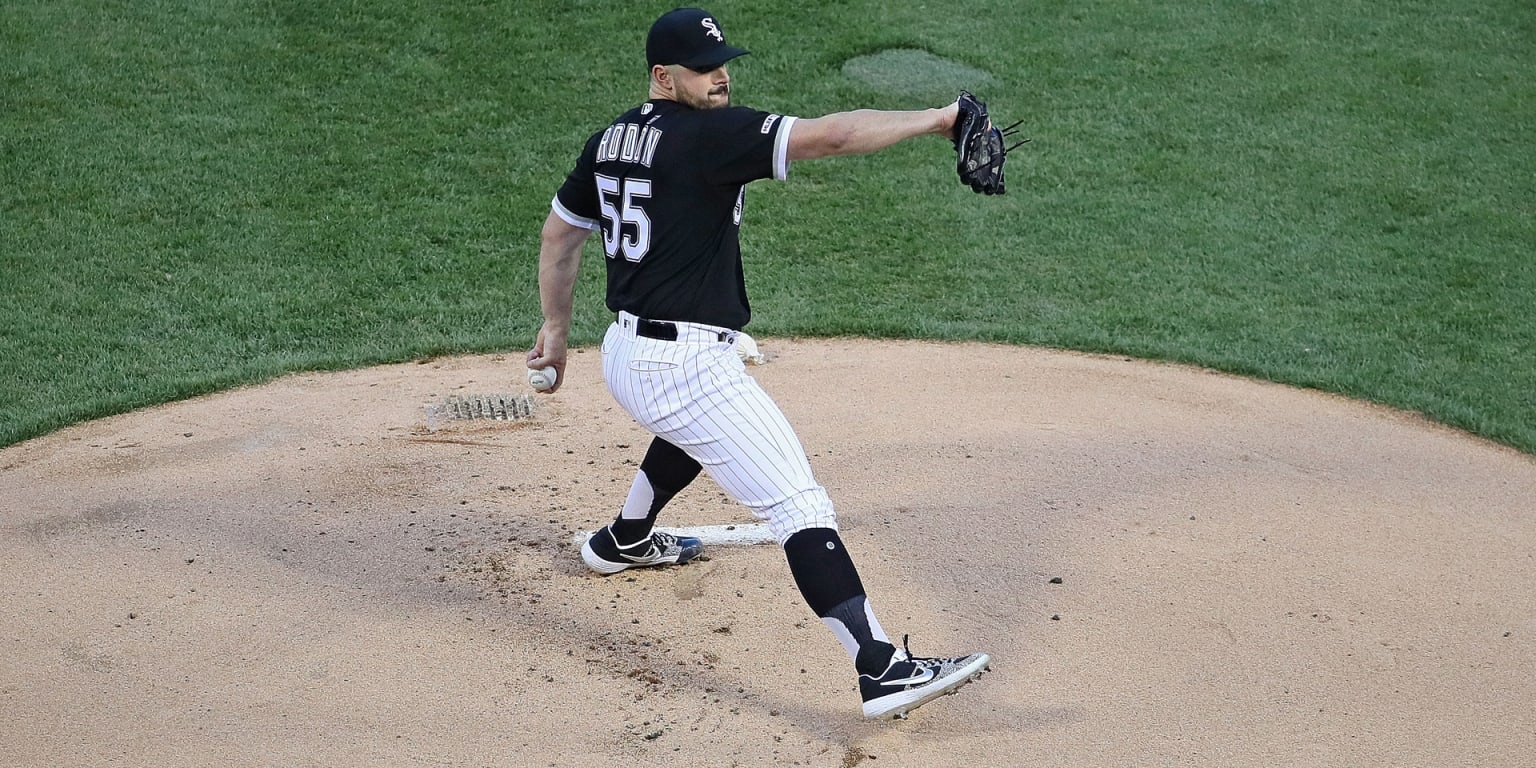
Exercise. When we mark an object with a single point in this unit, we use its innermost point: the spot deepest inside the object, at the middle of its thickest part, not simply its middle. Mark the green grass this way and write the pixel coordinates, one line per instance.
(196, 195)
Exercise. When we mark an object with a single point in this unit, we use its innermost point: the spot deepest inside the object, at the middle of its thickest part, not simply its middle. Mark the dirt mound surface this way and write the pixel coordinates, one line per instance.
(1168, 566)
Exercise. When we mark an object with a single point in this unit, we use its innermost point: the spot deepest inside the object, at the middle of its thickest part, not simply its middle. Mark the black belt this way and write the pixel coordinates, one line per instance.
(662, 330)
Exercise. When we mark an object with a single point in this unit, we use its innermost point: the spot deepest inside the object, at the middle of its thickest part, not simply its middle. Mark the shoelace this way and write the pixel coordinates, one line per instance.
(920, 661)
(1011, 130)
(657, 543)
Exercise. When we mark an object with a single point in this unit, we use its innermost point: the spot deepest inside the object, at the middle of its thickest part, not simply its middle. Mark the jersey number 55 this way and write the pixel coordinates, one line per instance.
(619, 201)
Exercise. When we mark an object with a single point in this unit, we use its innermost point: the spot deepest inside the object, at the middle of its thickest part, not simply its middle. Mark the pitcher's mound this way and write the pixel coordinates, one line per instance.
(1168, 567)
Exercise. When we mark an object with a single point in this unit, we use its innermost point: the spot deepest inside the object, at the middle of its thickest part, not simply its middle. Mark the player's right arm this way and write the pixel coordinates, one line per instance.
(863, 131)
(572, 219)
(560, 244)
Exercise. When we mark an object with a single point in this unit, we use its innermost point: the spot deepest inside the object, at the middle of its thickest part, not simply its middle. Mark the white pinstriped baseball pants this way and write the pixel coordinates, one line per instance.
(695, 393)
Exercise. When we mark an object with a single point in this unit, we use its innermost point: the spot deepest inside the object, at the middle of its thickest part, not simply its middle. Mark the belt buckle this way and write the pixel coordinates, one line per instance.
(657, 329)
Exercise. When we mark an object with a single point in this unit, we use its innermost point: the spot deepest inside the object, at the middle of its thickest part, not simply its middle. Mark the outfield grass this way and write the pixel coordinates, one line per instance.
(1339, 195)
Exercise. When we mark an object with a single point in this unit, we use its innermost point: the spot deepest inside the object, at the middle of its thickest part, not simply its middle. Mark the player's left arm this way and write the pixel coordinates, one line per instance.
(863, 131)
(560, 244)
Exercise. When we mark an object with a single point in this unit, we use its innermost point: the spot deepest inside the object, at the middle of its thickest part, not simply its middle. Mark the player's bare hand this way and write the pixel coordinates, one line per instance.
(549, 351)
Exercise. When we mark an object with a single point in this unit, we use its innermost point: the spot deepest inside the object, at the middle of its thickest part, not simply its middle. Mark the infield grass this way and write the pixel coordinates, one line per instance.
(1339, 195)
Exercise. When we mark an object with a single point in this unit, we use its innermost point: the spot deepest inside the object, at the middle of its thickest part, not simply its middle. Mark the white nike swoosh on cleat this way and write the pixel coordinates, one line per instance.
(917, 679)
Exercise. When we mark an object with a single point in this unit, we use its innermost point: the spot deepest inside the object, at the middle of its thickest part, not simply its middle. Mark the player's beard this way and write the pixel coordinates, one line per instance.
(714, 98)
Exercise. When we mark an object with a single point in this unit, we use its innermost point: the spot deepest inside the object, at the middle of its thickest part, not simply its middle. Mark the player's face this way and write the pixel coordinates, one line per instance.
(703, 90)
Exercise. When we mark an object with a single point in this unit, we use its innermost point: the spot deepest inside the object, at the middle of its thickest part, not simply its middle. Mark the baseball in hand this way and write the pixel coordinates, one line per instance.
(542, 379)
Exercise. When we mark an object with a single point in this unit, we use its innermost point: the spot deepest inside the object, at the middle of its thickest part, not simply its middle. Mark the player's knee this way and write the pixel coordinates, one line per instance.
(807, 509)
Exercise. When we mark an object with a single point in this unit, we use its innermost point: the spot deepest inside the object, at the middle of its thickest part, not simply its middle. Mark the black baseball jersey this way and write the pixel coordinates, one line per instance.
(665, 185)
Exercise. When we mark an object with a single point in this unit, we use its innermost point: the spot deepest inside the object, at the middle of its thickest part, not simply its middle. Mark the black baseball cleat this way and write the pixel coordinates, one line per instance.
(602, 552)
(910, 682)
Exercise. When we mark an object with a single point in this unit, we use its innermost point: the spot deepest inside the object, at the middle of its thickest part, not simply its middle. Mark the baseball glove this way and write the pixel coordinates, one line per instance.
(980, 146)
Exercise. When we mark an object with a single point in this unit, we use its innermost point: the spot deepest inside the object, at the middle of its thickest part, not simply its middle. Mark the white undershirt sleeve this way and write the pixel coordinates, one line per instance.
(781, 149)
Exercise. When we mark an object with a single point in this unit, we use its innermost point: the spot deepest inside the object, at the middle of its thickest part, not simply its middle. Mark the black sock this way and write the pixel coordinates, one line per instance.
(830, 584)
(664, 471)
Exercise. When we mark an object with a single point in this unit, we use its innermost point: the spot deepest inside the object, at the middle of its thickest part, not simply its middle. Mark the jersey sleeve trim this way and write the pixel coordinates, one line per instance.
(573, 219)
(781, 149)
